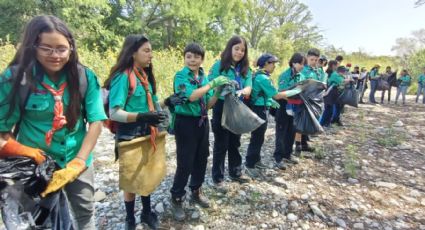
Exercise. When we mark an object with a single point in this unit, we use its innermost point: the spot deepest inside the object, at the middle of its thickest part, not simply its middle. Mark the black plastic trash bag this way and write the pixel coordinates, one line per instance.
(305, 121)
(350, 96)
(382, 85)
(21, 182)
(237, 117)
(331, 95)
(306, 115)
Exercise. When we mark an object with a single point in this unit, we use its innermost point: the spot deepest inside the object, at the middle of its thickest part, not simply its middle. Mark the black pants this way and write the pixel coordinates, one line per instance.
(383, 95)
(192, 148)
(257, 138)
(224, 141)
(285, 133)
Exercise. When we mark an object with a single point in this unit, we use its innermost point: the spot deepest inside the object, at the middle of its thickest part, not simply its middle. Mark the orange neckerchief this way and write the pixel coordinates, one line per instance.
(144, 80)
(59, 120)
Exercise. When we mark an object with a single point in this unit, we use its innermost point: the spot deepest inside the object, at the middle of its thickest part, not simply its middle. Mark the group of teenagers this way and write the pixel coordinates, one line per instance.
(60, 120)
(402, 83)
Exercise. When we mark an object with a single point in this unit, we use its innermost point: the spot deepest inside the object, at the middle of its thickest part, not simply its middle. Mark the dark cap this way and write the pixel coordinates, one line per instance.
(264, 58)
(341, 69)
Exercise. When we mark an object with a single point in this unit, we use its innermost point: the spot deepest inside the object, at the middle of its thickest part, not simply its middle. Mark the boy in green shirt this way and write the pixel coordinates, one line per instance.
(192, 128)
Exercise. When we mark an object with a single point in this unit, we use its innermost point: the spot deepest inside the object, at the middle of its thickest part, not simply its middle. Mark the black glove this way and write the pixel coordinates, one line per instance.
(175, 99)
(152, 118)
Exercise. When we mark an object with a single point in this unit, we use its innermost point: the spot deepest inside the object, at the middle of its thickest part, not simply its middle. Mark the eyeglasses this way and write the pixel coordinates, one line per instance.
(47, 51)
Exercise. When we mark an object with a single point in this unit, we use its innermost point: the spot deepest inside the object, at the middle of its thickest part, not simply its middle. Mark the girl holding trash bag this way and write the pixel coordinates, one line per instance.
(140, 146)
(336, 81)
(192, 129)
(285, 132)
(234, 65)
(405, 81)
(263, 97)
(40, 92)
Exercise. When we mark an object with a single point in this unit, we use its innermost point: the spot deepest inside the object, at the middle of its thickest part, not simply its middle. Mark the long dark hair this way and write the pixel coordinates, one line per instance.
(125, 60)
(25, 60)
(329, 70)
(226, 56)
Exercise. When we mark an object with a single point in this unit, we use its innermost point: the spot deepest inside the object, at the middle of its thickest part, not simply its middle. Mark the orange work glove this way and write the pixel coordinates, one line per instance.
(64, 176)
(12, 148)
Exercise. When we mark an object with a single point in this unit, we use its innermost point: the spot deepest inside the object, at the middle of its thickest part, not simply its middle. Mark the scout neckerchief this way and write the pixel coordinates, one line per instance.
(145, 83)
(238, 76)
(59, 120)
(198, 81)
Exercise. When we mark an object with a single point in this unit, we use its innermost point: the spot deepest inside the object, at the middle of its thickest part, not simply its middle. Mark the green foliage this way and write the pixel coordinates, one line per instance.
(351, 163)
(415, 64)
(391, 138)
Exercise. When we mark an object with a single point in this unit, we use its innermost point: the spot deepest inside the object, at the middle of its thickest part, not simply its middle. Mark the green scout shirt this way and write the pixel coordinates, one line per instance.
(231, 74)
(118, 95)
(336, 79)
(421, 79)
(184, 81)
(287, 79)
(323, 76)
(374, 74)
(262, 89)
(405, 80)
(310, 73)
(38, 116)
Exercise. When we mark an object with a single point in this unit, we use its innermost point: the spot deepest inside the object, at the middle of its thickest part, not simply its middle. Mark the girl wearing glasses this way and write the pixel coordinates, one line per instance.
(51, 120)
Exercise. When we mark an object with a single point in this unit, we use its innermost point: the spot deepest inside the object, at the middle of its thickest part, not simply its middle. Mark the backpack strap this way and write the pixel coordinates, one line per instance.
(132, 82)
(82, 78)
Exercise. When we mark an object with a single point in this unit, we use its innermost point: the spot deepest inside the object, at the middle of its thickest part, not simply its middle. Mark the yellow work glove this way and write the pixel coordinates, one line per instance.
(64, 176)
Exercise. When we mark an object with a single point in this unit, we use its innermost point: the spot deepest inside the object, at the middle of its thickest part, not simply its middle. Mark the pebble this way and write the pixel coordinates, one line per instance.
(341, 223)
(386, 185)
(159, 208)
(292, 217)
(353, 181)
(358, 226)
(99, 196)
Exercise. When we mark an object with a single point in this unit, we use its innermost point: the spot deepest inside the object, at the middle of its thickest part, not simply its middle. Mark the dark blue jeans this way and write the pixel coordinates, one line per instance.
(257, 138)
(326, 118)
(373, 86)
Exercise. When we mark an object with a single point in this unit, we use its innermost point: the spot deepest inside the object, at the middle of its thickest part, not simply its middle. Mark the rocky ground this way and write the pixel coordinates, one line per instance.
(368, 174)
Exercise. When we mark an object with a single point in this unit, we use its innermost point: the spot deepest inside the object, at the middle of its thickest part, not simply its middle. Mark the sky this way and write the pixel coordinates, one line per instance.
(371, 25)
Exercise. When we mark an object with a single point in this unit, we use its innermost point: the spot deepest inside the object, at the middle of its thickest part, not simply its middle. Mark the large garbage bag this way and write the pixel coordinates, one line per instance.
(383, 85)
(141, 168)
(306, 115)
(237, 117)
(21, 182)
(350, 96)
(331, 95)
(305, 121)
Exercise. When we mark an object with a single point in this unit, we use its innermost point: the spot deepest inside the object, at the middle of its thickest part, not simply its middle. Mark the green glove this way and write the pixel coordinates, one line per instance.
(275, 104)
(293, 92)
(218, 81)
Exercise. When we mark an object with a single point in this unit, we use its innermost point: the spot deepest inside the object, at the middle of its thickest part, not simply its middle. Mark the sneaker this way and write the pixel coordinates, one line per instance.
(339, 123)
(253, 173)
(280, 165)
(150, 219)
(241, 179)
(198, 197)
(177, 209)
(260, 165)
(130, 224)
(292, 160)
